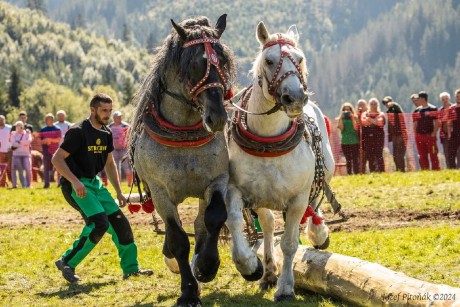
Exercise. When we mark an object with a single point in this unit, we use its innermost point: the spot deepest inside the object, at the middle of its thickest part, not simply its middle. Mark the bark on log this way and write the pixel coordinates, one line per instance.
(361, 282)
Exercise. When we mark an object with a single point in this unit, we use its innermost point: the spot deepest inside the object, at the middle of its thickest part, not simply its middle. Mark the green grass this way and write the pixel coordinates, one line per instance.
(413, 191)
(35, 230)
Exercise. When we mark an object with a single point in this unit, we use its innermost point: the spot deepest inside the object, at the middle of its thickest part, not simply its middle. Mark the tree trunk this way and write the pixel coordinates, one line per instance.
(361, 282)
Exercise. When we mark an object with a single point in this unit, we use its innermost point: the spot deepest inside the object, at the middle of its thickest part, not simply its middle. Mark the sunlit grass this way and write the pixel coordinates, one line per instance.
(37, 226)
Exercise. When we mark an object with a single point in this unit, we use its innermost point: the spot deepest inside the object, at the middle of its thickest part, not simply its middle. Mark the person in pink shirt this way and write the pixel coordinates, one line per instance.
(119, 132)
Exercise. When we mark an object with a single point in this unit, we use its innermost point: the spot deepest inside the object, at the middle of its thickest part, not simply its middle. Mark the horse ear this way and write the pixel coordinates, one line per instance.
(292, 32)
(221, 24)
(262, 33)
(181, 31)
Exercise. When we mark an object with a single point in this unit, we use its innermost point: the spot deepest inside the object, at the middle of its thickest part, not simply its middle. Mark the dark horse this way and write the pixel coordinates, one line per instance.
(176, 149)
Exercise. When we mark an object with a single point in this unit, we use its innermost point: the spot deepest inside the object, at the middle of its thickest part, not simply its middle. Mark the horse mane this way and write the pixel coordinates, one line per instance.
(257, 65)
(171, 56)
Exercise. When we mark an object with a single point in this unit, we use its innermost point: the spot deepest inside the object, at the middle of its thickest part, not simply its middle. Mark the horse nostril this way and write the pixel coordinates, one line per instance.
(209, 120)
(287, 99)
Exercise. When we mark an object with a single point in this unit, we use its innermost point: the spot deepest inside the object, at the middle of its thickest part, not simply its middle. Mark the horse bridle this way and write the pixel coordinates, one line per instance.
(276, 82)
(212, 60)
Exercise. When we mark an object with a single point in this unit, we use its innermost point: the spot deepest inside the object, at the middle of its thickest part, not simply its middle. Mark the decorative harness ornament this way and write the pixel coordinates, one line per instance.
(275, 81)
(212, 60)
(168, 134)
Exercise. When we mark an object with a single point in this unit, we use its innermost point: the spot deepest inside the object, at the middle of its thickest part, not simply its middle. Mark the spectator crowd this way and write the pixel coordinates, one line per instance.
(364, 130)
(25, 153)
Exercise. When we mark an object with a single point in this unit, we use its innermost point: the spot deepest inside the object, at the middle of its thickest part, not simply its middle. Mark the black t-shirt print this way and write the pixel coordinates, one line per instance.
(88, 148)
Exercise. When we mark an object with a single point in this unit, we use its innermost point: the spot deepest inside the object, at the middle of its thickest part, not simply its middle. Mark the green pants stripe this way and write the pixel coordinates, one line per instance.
(102, 215)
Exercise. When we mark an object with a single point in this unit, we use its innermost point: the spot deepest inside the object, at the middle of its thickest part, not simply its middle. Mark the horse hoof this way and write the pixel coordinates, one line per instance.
(257, 273)
(188, 302)
(267, 284)
(284, 297)
(208, 274)
(324, 245)
(172, 264)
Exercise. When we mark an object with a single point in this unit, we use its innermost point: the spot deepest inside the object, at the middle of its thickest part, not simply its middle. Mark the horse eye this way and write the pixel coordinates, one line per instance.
(268, 62)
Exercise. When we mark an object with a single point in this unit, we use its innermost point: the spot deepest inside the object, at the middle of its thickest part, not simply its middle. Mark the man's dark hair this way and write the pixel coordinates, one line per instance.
(98, 99)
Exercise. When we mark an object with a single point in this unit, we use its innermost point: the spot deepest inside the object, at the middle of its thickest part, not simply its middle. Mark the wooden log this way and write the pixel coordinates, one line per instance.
(361, 282)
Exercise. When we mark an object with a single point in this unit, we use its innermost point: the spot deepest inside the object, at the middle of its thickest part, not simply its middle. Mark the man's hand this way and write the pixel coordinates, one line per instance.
(80, 189)
(122, 201)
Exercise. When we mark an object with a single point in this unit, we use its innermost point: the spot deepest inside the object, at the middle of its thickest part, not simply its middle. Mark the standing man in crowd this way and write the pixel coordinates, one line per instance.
(443, 117)
(426, 127)
(62, 123)
(454, 127)
(27, 127)
(4, 148)
(50, 137)
(86, 150)
(120, 132)
(396, 132)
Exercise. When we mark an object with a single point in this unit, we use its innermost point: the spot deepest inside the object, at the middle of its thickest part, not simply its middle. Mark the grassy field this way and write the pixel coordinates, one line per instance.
(36, 226)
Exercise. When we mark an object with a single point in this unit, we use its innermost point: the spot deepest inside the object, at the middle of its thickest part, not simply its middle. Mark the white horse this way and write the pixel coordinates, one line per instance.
(272, 160)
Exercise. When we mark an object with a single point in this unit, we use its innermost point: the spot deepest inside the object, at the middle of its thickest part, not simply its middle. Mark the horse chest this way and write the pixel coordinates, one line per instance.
(271, 180)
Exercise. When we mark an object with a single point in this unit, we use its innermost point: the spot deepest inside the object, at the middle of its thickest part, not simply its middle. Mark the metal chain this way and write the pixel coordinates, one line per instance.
(316, 145)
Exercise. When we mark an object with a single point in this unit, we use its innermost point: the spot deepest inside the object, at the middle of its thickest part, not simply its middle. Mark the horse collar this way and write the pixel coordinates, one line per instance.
(264, 146)
(171, 135)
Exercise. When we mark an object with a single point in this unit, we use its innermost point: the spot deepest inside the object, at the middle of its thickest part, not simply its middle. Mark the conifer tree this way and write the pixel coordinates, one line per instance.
(128, 91)
(15, 87)
(38, 5)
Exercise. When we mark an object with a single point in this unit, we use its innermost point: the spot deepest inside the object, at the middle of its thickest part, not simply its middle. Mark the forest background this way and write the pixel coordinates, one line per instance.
(55, 54)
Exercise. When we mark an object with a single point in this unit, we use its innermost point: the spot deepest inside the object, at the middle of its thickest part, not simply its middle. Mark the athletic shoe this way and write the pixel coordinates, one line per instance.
(138, 272)
(67, 272)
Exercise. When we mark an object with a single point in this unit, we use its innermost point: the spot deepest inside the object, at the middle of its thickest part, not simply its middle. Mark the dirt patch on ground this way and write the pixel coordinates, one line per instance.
(357, 220)
(388, 219)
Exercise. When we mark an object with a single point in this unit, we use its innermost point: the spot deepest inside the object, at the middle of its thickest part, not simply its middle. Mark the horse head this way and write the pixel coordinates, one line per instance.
(206, 68)
(281, 69)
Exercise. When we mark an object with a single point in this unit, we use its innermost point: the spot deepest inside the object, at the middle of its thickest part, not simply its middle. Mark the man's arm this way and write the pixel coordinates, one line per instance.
(112, 174)
(59, 163)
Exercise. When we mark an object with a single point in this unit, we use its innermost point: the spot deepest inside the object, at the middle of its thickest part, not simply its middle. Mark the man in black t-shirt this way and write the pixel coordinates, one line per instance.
(426, 127)
(86, 150)
(396, 131)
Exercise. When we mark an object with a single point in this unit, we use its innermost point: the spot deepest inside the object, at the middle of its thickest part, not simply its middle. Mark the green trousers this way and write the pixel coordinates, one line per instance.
(101, 215)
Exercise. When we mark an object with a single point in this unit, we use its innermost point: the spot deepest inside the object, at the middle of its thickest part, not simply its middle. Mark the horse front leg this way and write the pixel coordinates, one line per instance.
(177, 245)
(246, 261)
(267, 223)
(289, 245)
(211, 218)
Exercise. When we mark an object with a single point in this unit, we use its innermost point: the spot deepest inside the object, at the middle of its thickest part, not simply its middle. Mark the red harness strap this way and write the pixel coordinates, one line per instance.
(179, 143)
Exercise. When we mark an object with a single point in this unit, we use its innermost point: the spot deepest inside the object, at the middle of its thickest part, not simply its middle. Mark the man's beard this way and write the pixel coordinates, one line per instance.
(100, 120)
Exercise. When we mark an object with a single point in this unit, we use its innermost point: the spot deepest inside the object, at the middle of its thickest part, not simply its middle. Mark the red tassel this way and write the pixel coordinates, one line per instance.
(309, 212)
(317, 220)
(229, 94)
(148, 206)
(134, 208)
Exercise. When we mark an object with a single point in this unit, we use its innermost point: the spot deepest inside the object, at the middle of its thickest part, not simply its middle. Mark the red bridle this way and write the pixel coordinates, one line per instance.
(213, 60)
(275, 82)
